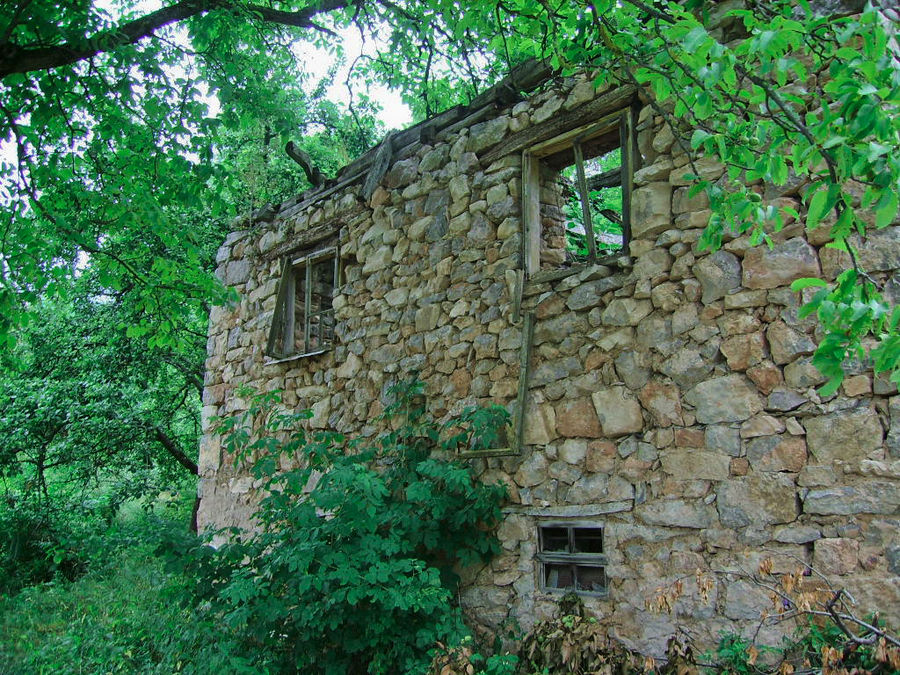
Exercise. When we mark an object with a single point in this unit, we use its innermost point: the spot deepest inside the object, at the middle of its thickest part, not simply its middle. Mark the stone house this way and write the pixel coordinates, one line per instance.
(665, 414)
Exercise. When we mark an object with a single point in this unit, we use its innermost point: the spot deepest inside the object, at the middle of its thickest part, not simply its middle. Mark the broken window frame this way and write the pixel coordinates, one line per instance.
(283, 320)
(571, 557)
(621, 122)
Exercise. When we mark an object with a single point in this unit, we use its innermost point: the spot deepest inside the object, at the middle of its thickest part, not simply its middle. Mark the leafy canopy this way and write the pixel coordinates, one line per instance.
(106, 113)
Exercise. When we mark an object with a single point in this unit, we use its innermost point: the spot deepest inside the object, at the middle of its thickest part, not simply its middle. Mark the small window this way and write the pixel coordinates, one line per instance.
(303, 323)
(572, 559)
(577, 194)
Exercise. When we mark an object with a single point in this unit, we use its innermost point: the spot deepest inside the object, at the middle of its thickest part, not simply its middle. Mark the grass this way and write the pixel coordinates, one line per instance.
(122, 616)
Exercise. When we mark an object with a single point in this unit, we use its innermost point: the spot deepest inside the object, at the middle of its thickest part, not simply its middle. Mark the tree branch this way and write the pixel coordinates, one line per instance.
(17, 59)
(177, 453)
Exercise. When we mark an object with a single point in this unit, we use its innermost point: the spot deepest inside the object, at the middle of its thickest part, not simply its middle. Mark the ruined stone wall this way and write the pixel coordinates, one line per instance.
(671, 398)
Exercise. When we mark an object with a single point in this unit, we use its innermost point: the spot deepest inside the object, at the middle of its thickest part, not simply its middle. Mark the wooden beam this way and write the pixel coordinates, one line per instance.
(609, 102)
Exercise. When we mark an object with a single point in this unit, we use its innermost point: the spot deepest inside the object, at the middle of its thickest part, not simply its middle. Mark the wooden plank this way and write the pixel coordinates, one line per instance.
(603, 105)
(305, 240)
(470, 119)
(629, 159)
(607, 179)
(494, 452)
(585, 197)
(379, 167)
(280, 302)
(530, 252)
(565, 140)
(524, 376)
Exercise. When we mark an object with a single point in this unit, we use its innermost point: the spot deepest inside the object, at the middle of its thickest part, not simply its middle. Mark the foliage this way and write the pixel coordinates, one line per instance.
(353, 566)
(107, 113)
(86, 406)
(117, 618)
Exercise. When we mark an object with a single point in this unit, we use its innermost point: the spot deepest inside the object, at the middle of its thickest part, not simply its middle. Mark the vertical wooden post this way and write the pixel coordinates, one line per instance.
(585, 197)
(629, 157)
(531, 214)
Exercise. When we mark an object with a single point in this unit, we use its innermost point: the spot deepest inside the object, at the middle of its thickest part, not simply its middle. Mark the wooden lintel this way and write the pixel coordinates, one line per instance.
(603, 105)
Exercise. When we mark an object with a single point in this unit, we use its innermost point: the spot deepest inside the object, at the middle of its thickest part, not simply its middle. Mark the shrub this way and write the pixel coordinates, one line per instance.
(352, 568)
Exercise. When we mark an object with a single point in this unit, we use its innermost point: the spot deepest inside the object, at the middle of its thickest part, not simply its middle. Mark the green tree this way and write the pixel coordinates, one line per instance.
(112, 134)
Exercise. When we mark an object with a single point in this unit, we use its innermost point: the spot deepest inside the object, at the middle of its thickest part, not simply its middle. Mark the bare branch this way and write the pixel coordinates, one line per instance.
(18, 59)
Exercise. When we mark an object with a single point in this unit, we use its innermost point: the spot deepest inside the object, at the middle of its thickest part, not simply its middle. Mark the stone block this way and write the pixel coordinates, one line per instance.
(780, 265)
(483, 136)
(619, 413)
(577, 419)
(651, 210)
(743, 351)
(692, 464)
(757, 500)
(848, 435)
(718, 274)
(836, 556)
(786, 344)
(777, 453)
(540, 424)
(692, 514)
(626, 312)
(869, 497)
(663, 402)
(724, 399)
(687, 367)
(588, 490)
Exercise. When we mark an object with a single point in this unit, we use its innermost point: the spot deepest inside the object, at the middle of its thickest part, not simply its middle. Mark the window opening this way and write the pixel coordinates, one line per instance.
(572, 559)
(303, 323)
(577, 194)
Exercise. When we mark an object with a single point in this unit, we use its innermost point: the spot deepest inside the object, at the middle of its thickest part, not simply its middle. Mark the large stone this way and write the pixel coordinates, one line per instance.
(540, 424)
(724, 399)
(786, 344)
(777, 453)
(687, 367)
(533, 471)
(626, 312)
(745, 601)
(618, 411)
(893, 437)
(663, 402)
(870, 497)
(236, 272)
(780, 265)
(653, 263)
(692, 464)
(587, 295)
(848, 435)
(486, 134)
(835, 556)
(677, 513)
(589, 489)
(757, 500)
(651, 211)
(743, 351)
(718, 274)
(577, 419)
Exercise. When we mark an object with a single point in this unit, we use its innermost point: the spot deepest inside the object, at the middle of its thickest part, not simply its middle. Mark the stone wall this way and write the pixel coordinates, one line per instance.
(671, 398)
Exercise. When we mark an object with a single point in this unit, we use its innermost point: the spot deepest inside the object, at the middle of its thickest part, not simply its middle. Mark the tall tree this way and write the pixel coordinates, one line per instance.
(110, 128)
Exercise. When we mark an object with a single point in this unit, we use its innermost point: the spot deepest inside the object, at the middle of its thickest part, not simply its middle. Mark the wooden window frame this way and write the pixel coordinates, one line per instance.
(283, 319)
(571, 557)
(573, 140)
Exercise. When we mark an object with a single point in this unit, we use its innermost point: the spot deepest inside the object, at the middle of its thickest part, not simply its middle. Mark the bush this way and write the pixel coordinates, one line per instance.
(118, 617)
(352, 569)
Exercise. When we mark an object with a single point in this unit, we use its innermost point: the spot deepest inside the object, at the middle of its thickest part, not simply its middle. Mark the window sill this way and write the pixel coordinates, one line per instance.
(603, 268)
(490, 452)
(600, 595)
(269, 361)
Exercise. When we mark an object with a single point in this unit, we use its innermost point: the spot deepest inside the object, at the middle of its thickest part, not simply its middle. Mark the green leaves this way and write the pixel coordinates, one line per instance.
(364, 539)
